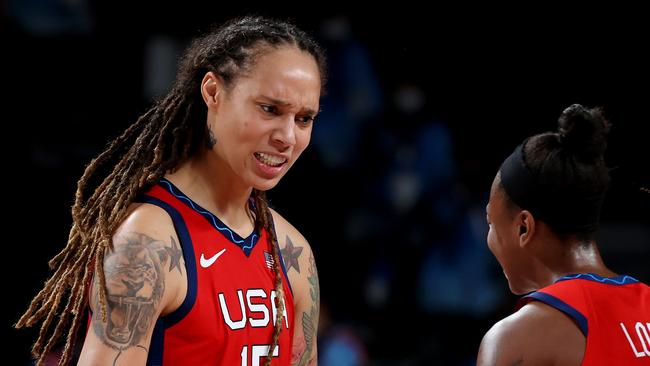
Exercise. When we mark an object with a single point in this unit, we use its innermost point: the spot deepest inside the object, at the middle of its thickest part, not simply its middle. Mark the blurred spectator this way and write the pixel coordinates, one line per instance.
(353, 97)
(48, 18)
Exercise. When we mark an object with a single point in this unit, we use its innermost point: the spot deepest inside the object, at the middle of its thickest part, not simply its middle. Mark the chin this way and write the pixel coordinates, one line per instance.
(265, 185)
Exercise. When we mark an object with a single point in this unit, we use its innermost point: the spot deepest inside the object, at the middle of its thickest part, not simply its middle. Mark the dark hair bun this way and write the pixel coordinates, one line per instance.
(583, 131)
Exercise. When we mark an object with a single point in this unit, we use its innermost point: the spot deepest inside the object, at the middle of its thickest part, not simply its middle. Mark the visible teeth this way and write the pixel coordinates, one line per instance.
(271, 160)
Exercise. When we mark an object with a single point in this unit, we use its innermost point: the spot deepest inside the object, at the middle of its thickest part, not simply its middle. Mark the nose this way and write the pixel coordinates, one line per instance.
(284, 135)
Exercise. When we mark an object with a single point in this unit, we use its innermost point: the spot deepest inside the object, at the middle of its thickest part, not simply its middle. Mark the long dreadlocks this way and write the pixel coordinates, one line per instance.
(164, 137)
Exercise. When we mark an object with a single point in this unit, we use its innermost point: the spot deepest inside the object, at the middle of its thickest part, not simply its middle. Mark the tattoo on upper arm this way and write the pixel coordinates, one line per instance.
(310, 319)
(174, 254)
(290, 255)
(135, 281)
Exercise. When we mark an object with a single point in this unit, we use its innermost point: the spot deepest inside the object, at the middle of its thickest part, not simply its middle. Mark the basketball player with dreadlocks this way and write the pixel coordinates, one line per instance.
(173, 248)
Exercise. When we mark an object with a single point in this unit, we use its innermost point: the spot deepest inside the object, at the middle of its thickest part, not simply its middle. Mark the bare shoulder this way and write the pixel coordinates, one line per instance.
(284, 229)
(297, 255)
(536, 334)
(148, 235)
(141, 271)
(296, 251)
(147, 218)
(148, 231)
(300, 265)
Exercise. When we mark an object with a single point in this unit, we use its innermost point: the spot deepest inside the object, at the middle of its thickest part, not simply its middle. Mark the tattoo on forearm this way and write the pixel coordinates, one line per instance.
(135, 281)
(310, 319)
(290, 255)
(298, 349)
(120, 353)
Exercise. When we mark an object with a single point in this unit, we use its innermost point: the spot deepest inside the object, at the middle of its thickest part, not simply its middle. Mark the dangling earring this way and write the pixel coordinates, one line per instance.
(210, 140)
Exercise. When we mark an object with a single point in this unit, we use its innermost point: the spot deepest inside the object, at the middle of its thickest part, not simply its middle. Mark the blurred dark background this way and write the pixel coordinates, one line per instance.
(423, 105)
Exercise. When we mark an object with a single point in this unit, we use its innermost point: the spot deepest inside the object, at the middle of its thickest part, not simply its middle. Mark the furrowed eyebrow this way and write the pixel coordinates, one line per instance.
(284, 103)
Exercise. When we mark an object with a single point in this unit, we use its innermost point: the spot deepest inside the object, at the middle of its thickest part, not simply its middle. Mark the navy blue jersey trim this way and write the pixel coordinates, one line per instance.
(617, 281)
(246, 244)
(553, 301)
(277, 245)
(188, 256)
(155, 356)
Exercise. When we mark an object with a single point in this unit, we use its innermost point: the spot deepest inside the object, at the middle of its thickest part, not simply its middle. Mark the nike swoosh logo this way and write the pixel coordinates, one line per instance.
(205, 263)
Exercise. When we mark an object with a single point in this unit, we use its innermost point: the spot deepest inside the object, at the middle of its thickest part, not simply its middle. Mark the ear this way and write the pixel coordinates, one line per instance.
(211, 86)
(526, 223)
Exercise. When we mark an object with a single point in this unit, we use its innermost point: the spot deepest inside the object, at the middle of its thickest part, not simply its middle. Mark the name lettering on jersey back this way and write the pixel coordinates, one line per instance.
(252, 309)
(642, 338)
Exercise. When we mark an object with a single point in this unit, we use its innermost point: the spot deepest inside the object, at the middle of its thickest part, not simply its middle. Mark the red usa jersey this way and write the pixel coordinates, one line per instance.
(612, 313)
(228, 315)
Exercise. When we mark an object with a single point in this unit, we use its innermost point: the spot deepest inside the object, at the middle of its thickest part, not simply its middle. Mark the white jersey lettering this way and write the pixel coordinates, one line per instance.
(254, 310)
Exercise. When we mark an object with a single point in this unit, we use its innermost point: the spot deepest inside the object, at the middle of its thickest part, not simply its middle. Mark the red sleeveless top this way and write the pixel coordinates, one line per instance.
(228, 315)
(612, 313)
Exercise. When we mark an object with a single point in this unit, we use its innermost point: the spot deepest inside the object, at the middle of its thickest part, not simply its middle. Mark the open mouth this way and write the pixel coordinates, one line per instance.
(270, 160)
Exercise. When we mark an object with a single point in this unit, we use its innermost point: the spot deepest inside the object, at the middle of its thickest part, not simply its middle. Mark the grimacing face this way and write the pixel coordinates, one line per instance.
(503, 240)
(263, 122)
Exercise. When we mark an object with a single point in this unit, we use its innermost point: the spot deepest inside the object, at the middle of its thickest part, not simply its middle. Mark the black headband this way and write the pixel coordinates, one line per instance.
(565, 210)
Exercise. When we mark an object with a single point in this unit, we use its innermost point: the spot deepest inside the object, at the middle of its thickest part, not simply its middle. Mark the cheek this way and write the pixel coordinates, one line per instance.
(303, 136)
(491, 239)
(251, 130)
(250, 135)
(497, 246)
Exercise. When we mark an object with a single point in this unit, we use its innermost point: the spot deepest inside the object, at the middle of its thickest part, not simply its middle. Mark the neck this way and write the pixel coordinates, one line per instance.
(216, 188)
(563, 258)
